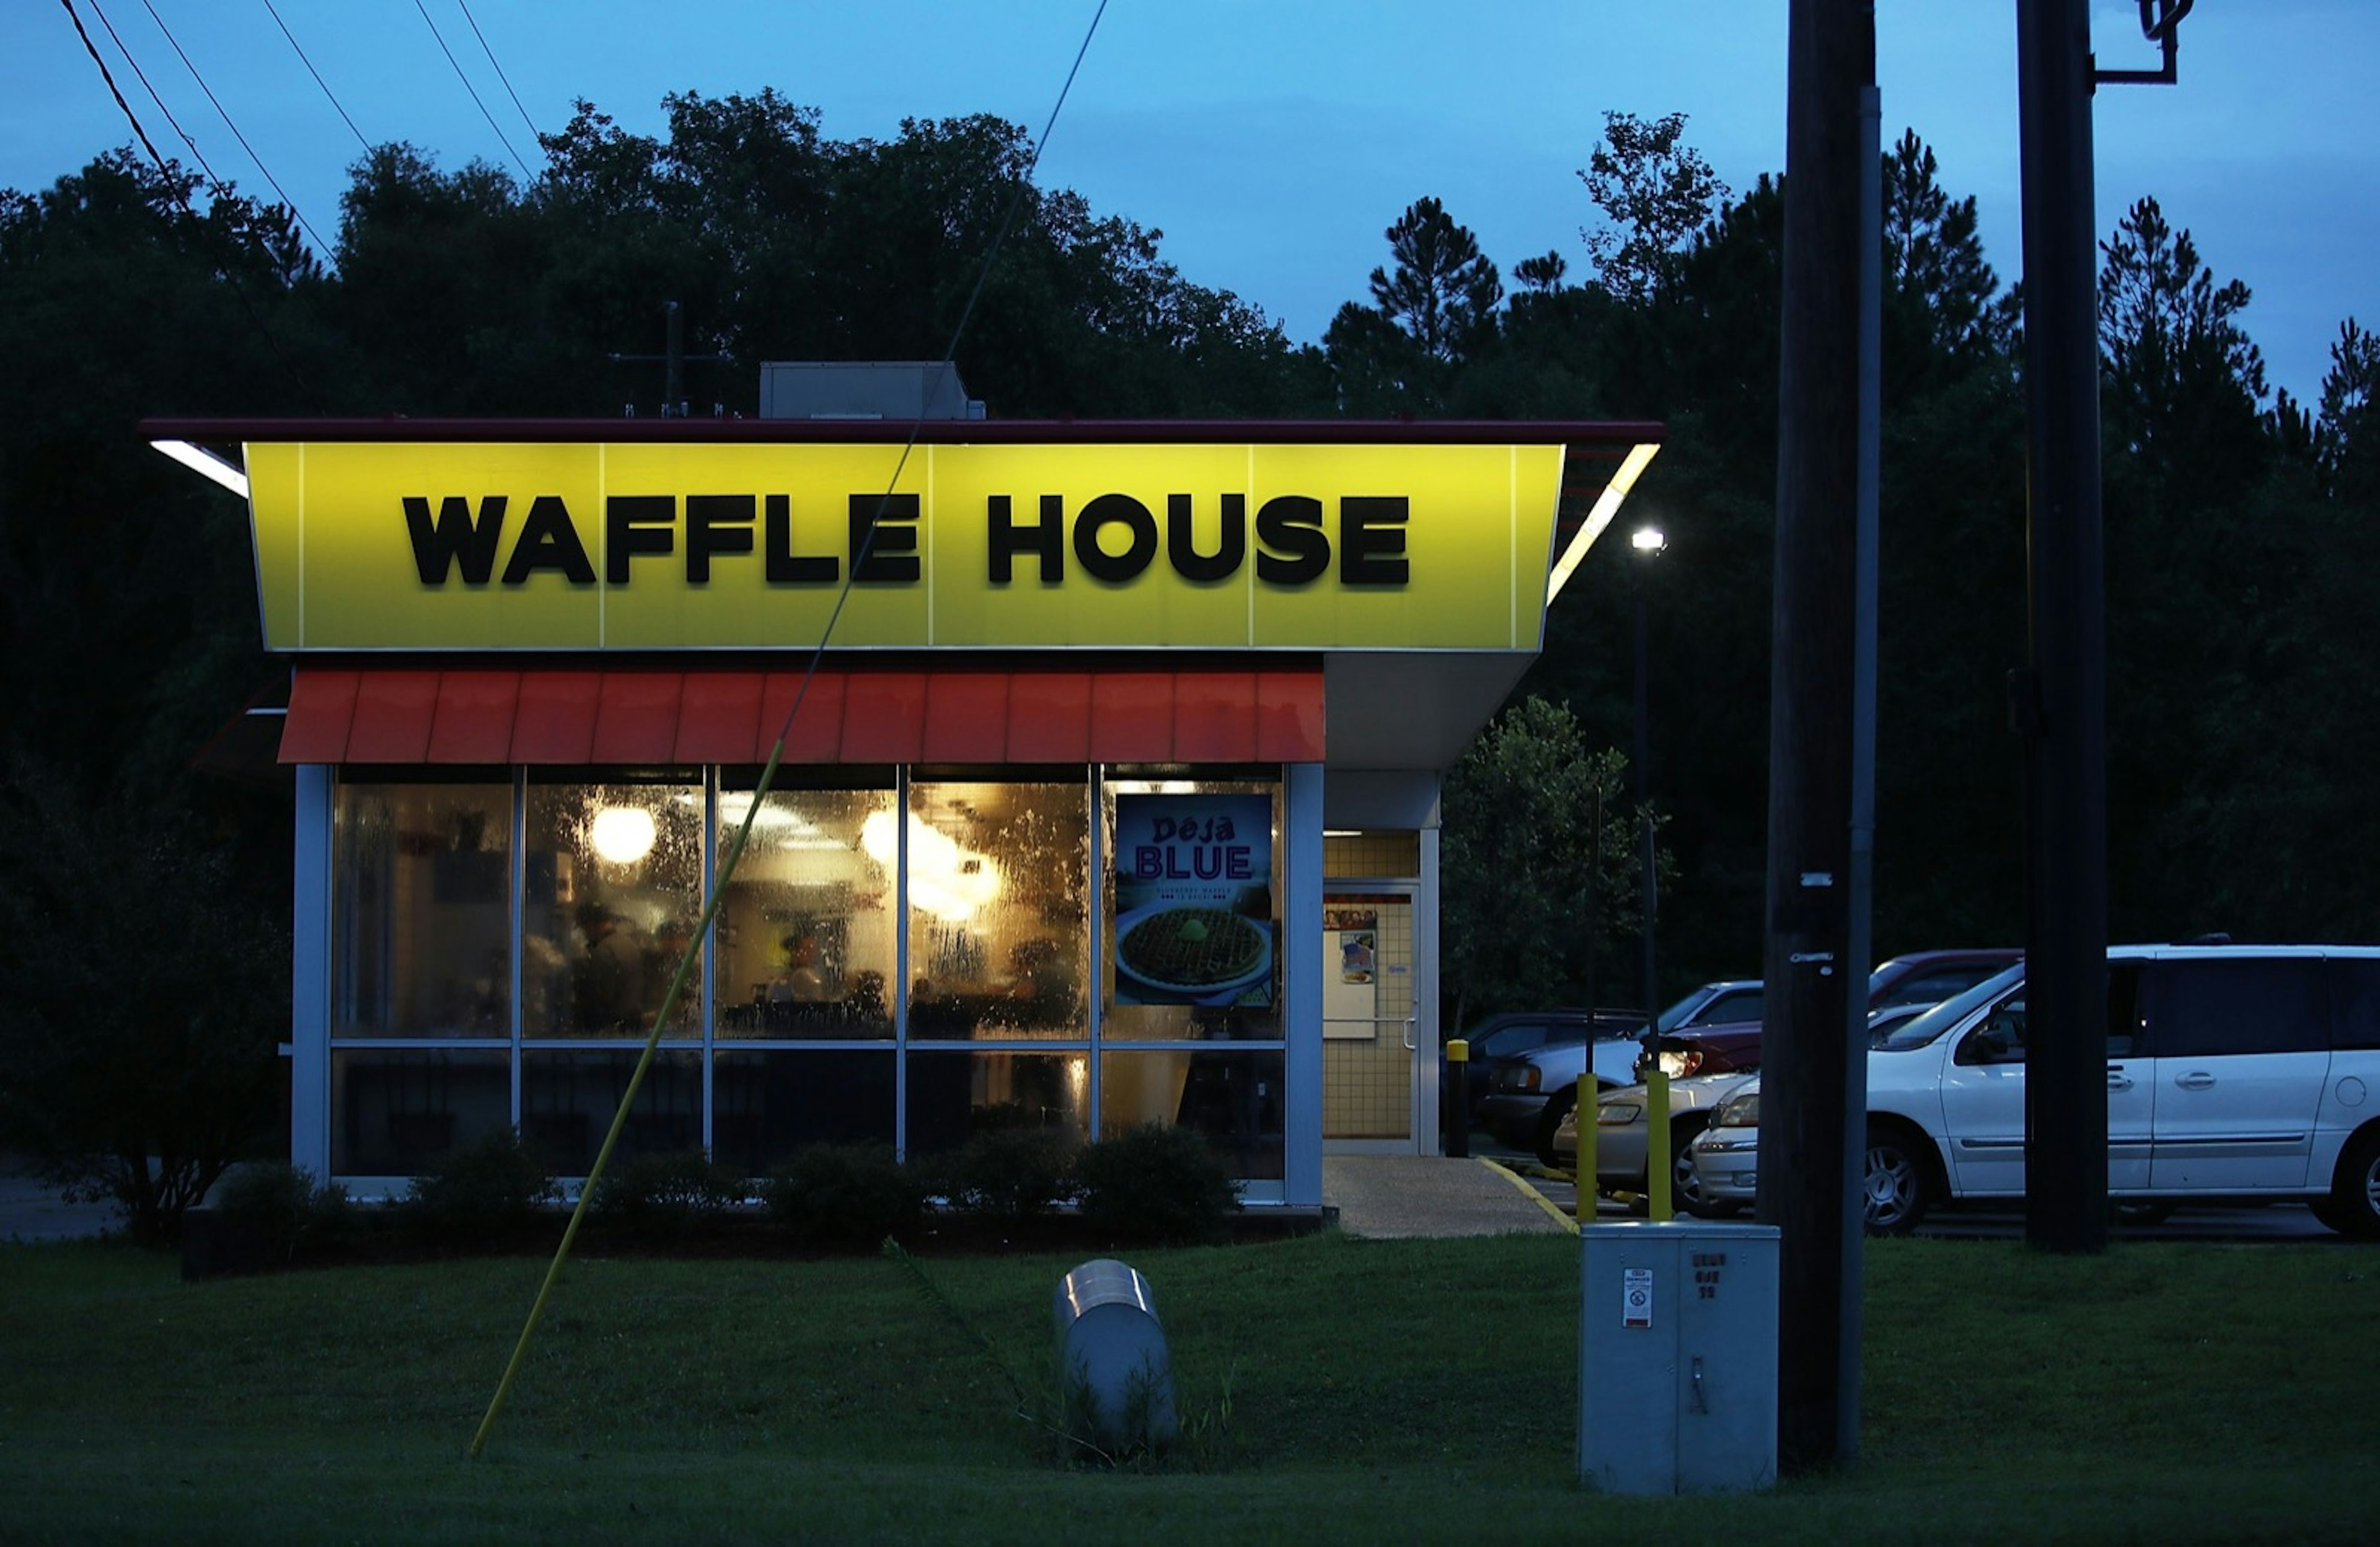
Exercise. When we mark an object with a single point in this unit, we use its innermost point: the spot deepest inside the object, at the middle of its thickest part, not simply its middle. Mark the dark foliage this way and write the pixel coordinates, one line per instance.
(492, 1190)
(846, 1194)
(147, 988)
(1011, 1172)
(1155, 1183)
(290, 1213)
(666, 1194)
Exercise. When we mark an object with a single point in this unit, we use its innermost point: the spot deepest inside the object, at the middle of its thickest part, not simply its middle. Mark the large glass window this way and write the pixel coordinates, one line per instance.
(614, 889)
(999, 909)
(421, 922)
(805, 934)
(399, 1112)
(1231, 1099)
(953, 1096)
(476, 909)
(765, 1105)
(568, 1100)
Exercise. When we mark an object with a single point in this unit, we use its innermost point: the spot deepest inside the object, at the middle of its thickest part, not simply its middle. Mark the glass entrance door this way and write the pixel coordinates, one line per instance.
(1370, 1013)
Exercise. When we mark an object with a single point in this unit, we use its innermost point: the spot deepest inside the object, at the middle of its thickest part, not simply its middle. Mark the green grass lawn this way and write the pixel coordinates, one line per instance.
(1343, 1390)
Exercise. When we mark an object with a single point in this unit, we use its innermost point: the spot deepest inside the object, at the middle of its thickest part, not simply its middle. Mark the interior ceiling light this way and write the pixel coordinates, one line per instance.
(622, 835)
(945, 879)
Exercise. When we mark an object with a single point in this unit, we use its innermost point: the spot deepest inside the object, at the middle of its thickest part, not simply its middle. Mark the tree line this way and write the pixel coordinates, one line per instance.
(2239, 681)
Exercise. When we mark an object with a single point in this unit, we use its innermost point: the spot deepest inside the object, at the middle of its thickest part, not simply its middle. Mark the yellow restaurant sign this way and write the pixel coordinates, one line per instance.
(638, 545)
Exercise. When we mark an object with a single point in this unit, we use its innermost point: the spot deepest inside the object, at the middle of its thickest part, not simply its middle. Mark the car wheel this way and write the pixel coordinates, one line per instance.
(1685, 1187)
(1897, 1186)
(1557, 1109)
(2355, 1196)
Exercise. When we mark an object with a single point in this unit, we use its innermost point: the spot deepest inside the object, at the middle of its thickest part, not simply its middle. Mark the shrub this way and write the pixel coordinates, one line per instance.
(284, 1210)
(1012, 1172)
(666, 1192)
(1155, 1183)
(844, 1192)
(491, 1189)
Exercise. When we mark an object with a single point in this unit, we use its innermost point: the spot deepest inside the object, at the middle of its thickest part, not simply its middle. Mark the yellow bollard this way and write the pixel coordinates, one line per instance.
(1657, 1203)
(1455, 1120)
(1586, 1159)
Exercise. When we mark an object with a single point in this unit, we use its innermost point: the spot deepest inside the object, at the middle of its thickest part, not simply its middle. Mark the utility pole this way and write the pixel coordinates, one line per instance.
(2060, 697)
(674, 360)
(1814, 1080)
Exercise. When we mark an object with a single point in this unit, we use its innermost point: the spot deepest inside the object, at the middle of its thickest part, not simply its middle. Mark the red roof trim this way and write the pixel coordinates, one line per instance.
(557, 716)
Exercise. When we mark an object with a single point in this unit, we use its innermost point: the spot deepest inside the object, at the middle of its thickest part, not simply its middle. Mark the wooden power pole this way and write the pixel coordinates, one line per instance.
(1814, 1079)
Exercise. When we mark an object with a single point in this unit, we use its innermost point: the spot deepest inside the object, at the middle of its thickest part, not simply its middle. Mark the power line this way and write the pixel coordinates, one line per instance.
(181, 194)
(244, 145)
(318, 76)
(500, 70)
(222, 188)
(466, 79)
(109, 76)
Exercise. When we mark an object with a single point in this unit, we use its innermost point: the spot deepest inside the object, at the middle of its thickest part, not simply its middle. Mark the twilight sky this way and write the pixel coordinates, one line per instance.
(1272, 140)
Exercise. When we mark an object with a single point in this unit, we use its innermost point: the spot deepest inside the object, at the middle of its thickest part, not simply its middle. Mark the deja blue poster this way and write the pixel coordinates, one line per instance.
(1194, 899)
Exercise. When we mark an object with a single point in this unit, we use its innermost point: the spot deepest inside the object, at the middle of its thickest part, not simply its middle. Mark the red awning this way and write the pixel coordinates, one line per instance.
(591, 716)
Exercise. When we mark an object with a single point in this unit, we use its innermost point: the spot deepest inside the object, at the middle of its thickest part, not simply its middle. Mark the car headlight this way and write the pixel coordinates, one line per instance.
(1517, 1077)
(1617, 1114)
(1742, 1111)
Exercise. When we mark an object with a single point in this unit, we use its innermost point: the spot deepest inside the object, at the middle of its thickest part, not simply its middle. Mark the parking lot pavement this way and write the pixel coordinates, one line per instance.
(32, 1211)
(2245, 1223)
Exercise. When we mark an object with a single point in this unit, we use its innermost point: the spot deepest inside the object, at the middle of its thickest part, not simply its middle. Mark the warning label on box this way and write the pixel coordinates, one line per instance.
(1636, 1296)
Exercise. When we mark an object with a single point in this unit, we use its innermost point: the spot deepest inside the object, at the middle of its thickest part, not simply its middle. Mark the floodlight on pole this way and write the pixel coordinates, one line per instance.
(1649, 543)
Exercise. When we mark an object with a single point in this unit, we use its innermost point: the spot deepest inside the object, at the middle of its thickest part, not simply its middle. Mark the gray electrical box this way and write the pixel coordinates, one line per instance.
(893, 389)
(1677, 1376)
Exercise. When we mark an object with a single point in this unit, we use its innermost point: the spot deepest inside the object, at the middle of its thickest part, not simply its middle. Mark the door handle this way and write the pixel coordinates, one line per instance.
(2197, 1080)
(1409, 1033)
(2118, 1081)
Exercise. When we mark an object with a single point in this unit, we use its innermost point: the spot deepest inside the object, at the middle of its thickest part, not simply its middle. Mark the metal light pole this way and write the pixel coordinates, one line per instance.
(1648, 543)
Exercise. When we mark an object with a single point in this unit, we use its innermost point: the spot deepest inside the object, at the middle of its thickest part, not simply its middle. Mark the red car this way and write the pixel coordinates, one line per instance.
(1920, 979)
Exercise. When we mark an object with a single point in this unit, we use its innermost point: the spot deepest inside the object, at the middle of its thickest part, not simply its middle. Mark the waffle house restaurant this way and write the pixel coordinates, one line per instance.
(1114, 798)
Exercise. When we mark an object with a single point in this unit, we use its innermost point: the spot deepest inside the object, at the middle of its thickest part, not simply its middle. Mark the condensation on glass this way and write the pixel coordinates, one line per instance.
(421, 936)
(999, 909)
(804, 936)
(612, 891)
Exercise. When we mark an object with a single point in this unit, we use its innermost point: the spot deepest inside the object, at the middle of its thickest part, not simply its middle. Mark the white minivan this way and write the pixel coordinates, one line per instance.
(2233, 1072)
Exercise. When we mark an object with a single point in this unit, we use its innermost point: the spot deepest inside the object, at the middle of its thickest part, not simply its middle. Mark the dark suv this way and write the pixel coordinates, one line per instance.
(1509, 1036)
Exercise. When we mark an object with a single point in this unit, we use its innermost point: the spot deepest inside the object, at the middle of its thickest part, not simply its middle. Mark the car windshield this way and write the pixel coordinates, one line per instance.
(1669, 1018)
(1942, 1017)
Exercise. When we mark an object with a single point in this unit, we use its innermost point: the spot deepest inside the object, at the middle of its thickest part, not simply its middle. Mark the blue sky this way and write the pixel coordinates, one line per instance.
(1274, 140)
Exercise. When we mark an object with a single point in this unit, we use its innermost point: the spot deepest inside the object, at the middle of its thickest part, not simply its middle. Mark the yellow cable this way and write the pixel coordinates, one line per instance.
(628, 1098)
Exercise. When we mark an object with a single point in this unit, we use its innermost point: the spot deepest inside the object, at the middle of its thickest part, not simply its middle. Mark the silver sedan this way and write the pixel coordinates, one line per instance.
(1623, 1132)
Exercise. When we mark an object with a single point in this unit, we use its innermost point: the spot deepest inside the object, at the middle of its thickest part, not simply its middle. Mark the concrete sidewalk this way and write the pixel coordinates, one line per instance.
(1393, 1197)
